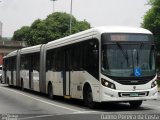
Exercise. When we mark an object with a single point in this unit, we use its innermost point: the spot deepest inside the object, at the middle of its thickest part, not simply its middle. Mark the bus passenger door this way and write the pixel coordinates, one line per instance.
(31, 72)
(66, 75)
(12, 68)
(12, 77)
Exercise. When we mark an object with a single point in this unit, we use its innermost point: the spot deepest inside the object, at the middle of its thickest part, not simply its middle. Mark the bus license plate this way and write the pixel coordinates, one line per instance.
(133, 94)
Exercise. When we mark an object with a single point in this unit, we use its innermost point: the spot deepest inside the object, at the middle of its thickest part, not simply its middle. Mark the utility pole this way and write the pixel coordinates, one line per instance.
(70, 25)
(53, 5)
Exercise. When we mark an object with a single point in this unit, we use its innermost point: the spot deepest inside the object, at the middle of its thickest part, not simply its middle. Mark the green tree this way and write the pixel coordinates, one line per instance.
(55, 26)
(151, 21)
(80, 26)
(22, 34)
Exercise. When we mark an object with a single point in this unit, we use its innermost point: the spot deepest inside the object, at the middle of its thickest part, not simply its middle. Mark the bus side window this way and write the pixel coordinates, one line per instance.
(91, 57)
(59, 58)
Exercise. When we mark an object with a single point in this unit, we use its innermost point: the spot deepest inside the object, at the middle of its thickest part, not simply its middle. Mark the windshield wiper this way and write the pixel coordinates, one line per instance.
(139, 53)
(124, 52)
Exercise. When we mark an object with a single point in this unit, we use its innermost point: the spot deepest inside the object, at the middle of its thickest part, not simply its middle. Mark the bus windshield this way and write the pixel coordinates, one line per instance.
(121, 59)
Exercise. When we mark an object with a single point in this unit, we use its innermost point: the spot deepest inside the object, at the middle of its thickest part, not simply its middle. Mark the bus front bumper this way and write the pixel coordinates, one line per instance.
(110, 95)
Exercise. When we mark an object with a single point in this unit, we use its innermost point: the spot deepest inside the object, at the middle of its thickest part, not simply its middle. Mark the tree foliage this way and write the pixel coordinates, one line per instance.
(55, 26)
(22, 33)
(152, 22)
(152, 19)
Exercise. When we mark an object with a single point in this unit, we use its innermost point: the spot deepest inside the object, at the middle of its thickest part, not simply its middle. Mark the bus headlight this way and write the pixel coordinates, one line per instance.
(108, 84)
(154, 83)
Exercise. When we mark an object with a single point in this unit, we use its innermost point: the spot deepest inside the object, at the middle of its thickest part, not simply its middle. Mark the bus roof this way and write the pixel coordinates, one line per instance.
(121, 29)
(31, 49)
(88, 34)
(11, 54)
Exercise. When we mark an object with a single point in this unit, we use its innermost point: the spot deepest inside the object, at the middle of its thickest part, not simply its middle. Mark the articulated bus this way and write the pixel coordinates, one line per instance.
(104, 64)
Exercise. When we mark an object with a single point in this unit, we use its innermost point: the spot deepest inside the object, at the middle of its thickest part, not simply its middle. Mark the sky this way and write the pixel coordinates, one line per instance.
(17, 13)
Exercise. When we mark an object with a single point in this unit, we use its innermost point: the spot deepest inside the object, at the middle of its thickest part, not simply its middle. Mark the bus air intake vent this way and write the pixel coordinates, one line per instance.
(132, 80)
(133, 94)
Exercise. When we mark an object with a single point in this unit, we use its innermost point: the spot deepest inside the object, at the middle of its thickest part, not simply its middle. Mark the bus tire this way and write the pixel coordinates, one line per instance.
(88, 98)
(22, 85)
(50, 91)
(135, 104)
(7, 80)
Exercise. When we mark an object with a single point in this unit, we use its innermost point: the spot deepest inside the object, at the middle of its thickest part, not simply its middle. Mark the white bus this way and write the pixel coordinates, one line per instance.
(105, 64)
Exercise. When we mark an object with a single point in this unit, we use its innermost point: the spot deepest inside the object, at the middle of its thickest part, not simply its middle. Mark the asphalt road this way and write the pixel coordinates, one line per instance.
(25, 105)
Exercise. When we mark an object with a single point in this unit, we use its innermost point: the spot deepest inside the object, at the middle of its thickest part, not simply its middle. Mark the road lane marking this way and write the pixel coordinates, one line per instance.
(83, 112)
(67, 108)
(41, 116)
(32, 117)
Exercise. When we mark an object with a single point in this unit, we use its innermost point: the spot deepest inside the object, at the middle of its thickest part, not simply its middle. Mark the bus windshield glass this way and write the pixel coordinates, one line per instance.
(125, 59)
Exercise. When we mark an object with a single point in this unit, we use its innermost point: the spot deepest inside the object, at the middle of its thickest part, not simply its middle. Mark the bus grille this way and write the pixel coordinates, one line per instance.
(132, 80)
(133, 94)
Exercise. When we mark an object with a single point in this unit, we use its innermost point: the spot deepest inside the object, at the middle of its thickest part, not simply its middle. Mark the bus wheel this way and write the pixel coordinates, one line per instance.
(22, 85)
(50, 91)
(88, 98)
(8, 81)
(135, 104)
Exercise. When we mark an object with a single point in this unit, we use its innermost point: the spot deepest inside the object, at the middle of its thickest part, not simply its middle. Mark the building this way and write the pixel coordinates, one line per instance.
(9, 46)
(0, 29)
